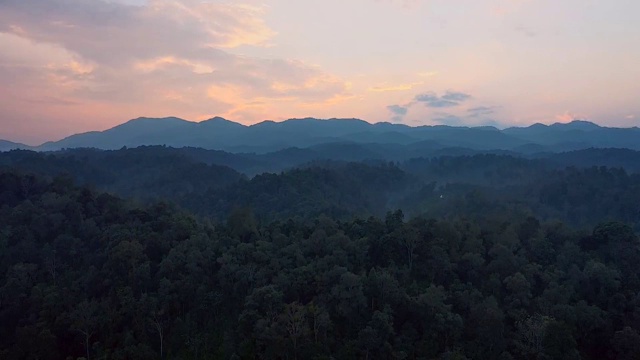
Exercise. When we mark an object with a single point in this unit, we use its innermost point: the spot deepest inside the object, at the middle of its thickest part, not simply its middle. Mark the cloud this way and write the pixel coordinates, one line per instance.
(95, 29)
(398, 109)
(481, 111)
(456, 96)
(449, 99)
(387, 88)
(568, 117)
(160, 57)
(399, 112)
(430, 99)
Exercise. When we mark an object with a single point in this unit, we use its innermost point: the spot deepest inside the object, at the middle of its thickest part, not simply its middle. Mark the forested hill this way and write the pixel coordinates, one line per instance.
(161, 253)
(143, 172)
(84, 274)
(566, 186)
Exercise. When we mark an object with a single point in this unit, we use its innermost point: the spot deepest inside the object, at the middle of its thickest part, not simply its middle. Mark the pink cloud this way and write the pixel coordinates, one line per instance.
(75, 58)
(568, 117)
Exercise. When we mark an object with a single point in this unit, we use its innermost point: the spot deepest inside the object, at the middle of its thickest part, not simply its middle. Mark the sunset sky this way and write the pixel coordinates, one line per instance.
(69, 66)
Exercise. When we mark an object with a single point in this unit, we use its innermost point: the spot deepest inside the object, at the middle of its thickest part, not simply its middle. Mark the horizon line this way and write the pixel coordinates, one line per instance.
(499, 128)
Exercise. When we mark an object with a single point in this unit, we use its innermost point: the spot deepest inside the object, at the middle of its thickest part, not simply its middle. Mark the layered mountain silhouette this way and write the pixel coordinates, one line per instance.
(345, 135)
(8, 145)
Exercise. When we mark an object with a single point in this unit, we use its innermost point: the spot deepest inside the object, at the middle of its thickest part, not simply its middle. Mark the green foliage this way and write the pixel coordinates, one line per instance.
(292, 266)
(482, 185)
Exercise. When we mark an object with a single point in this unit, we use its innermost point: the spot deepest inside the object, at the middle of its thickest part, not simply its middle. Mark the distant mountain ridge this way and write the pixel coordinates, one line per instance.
(269, 136)
(9, 145)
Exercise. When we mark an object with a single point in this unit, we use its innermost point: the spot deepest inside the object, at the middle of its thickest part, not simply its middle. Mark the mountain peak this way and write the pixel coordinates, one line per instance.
(143, 119)
(143, 122)
(216, 119)
(537, 126)
(577, 125)
(222, 134)
(331, 120)
(221, 123)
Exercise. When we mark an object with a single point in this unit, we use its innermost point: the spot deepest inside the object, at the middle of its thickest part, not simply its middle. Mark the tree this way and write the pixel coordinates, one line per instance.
(531, 334)
(410, 240)
(626, 344)
(85, 321)
(320, 321)
(295, 323)
(559, 342)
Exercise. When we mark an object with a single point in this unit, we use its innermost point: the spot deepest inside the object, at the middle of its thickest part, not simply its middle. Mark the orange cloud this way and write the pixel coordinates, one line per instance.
(148, 66)
(166, 57)
(227, 24)
(387, 88)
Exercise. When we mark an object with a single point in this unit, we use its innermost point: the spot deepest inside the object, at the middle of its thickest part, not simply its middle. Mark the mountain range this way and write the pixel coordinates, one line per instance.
(344, 135)
(8, 145)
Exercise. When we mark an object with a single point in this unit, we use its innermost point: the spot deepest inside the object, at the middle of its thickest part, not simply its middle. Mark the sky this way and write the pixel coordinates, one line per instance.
(71, 66)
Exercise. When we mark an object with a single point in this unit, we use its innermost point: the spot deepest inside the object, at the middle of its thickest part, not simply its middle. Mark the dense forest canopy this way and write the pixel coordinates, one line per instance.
(167, 253)
(580, 188)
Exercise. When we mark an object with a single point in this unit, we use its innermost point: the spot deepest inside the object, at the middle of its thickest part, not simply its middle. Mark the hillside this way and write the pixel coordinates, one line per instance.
(84, 274)
(8, 145)
(579, 187)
